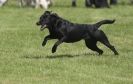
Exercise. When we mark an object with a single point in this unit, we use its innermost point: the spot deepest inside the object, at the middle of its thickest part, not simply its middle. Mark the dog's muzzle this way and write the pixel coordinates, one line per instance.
(42, 26)
(38, 23)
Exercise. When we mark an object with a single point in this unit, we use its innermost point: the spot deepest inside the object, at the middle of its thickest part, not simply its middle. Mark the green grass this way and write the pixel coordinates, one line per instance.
(24, 61)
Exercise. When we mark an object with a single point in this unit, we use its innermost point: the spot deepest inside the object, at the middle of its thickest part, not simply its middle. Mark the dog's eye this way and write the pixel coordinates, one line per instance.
(45, 16)
(42, 17)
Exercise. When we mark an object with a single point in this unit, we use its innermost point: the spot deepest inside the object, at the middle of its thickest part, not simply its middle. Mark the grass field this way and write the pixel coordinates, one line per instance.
(24, 61)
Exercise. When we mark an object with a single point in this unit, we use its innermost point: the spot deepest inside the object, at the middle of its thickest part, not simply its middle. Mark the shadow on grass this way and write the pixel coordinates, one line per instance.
(33, 57)
(61, 56)
(53, 56)
(77, 55)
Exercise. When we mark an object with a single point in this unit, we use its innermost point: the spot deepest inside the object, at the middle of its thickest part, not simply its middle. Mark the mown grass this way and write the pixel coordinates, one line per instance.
(24, 61)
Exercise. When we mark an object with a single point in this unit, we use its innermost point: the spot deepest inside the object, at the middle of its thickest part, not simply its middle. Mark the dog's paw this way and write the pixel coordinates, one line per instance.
(54, 49)
(116, 53)
(43, 44)
(100, 53)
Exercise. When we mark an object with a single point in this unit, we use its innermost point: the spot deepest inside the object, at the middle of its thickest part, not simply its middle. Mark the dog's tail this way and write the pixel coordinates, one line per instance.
(98, 24)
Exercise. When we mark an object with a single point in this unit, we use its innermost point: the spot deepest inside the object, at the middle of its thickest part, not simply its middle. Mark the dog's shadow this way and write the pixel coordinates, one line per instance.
(57, 56)
(61, 56)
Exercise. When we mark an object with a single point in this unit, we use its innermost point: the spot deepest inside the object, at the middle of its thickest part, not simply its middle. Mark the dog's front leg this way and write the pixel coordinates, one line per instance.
(57, 44)
(46, 39)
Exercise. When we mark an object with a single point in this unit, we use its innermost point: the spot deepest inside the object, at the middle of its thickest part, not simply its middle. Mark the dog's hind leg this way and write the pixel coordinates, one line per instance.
(91, 44)
(103, 39)
(106, 43)
(57, 44)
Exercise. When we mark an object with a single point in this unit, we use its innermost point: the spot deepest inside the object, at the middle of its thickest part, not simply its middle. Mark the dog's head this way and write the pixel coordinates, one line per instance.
(47, 20)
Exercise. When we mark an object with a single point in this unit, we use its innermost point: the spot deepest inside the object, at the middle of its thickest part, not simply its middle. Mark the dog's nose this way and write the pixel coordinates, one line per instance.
(37, 23)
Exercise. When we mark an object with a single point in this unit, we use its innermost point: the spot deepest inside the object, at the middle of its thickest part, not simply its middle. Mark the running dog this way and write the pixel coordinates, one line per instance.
(66, 31)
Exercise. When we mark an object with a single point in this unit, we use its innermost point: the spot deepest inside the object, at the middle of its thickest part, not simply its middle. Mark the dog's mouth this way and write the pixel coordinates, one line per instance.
(43, 27)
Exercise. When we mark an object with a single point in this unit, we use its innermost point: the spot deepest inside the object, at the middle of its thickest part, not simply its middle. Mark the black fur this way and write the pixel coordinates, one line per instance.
(66, 31)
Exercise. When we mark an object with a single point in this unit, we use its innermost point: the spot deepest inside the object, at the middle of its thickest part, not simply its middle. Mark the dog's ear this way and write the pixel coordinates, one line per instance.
(47, 12)
(54, 14)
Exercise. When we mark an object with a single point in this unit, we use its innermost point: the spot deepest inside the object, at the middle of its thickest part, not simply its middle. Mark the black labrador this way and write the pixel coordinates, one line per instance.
(66, 31)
